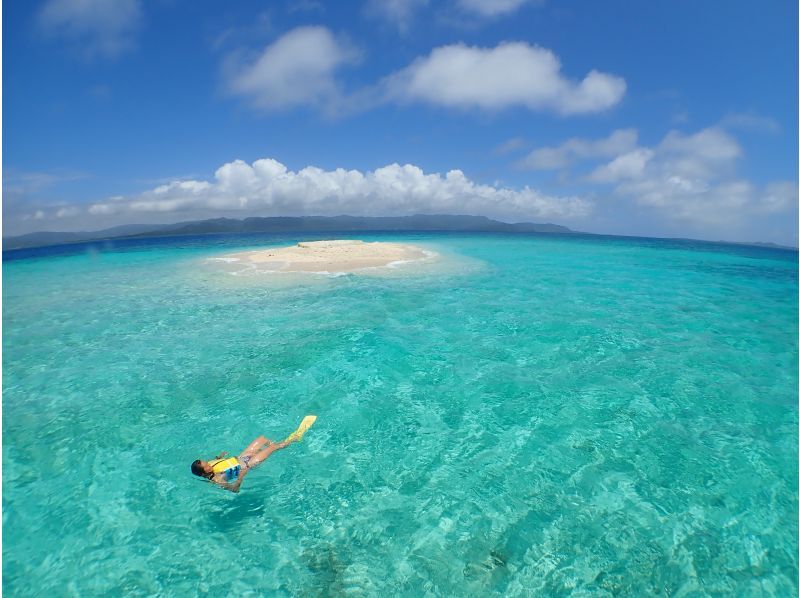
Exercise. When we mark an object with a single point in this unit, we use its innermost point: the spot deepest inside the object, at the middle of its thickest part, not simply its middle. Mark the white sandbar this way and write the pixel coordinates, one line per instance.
(329, 256)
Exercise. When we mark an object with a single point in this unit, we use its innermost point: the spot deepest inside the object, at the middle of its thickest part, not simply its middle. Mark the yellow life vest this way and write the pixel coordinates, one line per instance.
(228, 467)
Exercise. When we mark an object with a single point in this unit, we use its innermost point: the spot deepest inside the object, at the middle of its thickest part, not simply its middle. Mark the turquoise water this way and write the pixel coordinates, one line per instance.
(548, 416)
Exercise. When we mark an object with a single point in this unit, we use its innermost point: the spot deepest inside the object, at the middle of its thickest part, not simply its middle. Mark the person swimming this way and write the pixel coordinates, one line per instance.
(229, 472)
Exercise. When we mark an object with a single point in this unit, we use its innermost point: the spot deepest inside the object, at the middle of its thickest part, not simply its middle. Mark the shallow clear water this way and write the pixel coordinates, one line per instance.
(551, 415)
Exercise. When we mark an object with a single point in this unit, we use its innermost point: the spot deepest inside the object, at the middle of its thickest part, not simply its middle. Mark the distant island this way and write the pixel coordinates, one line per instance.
(286, 224)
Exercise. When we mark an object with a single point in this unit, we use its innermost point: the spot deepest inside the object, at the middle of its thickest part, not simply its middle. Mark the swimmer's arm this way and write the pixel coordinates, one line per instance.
(232, 487)
(235, 486)
(221, 455)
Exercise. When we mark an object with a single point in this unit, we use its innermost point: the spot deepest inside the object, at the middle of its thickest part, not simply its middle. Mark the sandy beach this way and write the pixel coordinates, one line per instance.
(330, 256)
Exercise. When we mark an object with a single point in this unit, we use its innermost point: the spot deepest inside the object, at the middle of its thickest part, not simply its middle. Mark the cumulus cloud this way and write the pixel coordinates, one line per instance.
(561, 156)
(103, 28)
(268, 188)
(703, 154)
(688, 161)
(491, 8)
(508, 75)
(628, 165)
(692, 178)
(399, 13)
(298, 69)
(686, 184)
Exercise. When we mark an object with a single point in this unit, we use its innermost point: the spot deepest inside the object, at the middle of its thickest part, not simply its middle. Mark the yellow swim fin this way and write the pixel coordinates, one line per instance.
(307, 422)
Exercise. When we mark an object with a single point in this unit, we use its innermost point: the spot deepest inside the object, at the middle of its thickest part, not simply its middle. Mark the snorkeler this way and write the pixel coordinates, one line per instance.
(229, 472)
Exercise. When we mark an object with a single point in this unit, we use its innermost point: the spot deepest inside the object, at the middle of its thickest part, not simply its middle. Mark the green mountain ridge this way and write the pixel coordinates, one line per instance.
(286, 224)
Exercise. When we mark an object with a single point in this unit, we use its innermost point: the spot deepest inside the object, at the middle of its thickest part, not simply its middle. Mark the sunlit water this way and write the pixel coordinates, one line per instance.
(547, 415)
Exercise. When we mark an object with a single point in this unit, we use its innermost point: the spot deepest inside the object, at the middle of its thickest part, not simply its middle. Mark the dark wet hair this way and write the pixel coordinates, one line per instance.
(197, 469)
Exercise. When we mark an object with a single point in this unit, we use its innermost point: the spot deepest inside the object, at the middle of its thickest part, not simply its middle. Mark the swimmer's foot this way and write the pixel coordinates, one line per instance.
(297, 435)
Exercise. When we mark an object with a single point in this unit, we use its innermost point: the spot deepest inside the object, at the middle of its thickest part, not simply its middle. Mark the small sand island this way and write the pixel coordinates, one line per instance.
(330, 256)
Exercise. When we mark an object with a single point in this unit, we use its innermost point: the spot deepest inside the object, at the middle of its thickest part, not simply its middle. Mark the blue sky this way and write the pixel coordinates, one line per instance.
(661, 119)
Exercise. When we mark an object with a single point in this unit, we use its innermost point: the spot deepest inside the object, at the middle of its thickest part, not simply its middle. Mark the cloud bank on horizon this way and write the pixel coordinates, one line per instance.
(512, 109)
(267, 188)
(689, 179)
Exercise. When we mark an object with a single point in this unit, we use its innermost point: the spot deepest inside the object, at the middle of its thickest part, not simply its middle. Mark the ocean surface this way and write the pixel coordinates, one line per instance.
(542, 415)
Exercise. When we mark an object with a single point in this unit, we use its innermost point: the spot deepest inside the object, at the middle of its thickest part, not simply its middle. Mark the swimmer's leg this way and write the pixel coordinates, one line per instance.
(256, 445)
(265, 452)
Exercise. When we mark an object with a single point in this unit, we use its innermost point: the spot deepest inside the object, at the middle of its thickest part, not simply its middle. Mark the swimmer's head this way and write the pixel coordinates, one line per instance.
(199, 468)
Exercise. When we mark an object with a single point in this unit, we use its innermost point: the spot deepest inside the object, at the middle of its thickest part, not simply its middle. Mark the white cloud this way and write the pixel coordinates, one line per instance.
(704, 154)
(750, 121)
(37, 215)
(778, 197)
(296, 70)
(399, 13)
(688, 182)
(491, 8)
(267, 188)
(510, 146)
(67, 212)
(299, 69)
(103, 28)
(554, 158)
(692, 178)
(27, 191)
(510, 74)
(18, 182)
(628, 165)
